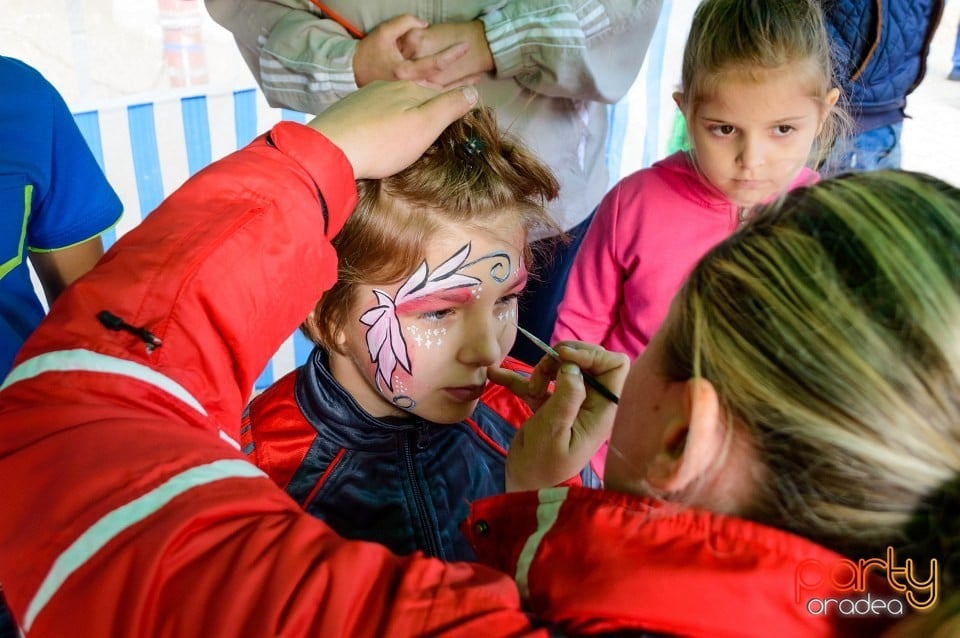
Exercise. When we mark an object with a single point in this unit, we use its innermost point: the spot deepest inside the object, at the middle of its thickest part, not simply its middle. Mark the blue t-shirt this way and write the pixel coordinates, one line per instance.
(53, 193)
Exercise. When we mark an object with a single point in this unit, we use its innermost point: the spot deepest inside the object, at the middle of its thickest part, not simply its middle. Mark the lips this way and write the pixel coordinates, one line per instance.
(465, 394)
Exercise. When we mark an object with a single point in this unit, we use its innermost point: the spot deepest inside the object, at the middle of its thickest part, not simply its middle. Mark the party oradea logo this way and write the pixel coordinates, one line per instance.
(855, 586)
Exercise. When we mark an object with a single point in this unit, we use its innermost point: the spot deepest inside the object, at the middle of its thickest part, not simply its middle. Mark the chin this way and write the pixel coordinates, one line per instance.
(449, 414)
(747, 200)
(615, 483)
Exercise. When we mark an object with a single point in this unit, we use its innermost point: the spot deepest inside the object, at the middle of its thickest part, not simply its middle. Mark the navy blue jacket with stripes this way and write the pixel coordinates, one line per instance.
(403, 482)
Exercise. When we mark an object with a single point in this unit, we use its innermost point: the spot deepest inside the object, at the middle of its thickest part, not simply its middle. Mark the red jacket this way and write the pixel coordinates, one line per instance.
(128, 509)
(597, 561)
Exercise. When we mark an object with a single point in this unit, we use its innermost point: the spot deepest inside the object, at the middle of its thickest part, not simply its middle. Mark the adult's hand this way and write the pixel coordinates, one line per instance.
(386, 126)
(428, 42)
(379, 57)
(570, 423)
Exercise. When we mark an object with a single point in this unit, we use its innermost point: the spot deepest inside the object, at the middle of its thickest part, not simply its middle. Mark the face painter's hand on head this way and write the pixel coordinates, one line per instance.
(385, 126)
(571, 420)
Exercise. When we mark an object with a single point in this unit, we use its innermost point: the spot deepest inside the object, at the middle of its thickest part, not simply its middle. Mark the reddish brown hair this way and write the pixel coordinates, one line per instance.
(473, 174)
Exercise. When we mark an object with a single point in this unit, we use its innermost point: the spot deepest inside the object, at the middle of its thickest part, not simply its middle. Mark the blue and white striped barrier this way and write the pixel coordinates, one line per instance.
(148, 149)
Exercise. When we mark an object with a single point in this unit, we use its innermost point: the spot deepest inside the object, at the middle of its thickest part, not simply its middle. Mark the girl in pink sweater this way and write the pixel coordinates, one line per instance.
(760, 105)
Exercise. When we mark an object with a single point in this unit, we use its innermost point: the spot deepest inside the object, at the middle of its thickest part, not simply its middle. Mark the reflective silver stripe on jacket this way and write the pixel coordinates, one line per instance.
(547, 511)
(124, 517)
(81, 360)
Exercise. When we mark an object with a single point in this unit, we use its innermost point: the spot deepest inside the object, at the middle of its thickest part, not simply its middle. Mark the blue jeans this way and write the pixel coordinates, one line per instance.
(8, 629)
(871, 150)
(956, 53)
(539, 301)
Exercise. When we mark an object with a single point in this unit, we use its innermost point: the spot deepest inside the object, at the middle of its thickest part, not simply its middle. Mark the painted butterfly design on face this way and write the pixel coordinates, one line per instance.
(385, 342)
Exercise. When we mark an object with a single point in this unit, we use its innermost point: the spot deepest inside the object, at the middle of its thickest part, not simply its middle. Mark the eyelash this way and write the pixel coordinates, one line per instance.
(440, 315)
(781, 130)
(436, 315)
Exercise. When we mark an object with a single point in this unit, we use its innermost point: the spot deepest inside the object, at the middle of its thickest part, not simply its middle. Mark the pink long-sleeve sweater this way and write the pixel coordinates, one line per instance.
(648, 233)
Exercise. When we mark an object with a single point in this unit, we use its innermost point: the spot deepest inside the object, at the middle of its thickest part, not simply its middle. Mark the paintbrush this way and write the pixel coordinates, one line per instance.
(590, 381)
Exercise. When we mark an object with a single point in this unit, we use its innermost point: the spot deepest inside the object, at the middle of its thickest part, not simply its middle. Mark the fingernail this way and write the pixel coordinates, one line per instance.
(570, 368)
(471, 94)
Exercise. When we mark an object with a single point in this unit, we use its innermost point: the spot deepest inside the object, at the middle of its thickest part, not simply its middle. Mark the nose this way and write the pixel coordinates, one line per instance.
(752, 152)
(481, 342)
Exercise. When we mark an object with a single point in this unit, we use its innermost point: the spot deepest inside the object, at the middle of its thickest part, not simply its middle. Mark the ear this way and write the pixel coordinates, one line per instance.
(312, 328)
(832, 96)
(678, 99)
(829, 101)
(691, 444)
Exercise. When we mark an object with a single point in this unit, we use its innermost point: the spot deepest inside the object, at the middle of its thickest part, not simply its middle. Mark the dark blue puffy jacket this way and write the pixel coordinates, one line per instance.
(880, 48)
(403, 482)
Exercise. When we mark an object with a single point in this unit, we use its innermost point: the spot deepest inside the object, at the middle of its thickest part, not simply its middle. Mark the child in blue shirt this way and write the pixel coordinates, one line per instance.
(54, 202)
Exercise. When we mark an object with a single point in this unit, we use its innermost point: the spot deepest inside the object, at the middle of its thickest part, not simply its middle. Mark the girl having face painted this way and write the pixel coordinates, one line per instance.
(391, 429)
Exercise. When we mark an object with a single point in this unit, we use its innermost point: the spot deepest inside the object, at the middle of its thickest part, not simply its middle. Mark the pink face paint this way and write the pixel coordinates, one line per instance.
(437, 301)
(385, 341)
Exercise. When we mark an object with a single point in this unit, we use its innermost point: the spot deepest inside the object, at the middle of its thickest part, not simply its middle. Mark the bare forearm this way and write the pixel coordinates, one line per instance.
(57, 269)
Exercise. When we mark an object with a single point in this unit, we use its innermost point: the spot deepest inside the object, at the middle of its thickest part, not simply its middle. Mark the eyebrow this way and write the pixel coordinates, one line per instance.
(454, 296)
(782, 120)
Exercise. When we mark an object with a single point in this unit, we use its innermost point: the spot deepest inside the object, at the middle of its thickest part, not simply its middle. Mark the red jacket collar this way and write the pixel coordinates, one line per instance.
(595, 561)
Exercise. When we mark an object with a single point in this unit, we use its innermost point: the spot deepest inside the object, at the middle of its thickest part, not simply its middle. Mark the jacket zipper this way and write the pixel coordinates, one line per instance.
(431, 540)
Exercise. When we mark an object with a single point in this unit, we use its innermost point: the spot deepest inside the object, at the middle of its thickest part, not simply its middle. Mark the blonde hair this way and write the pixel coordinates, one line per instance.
(472, 175)
(830, 327)
(756, 36)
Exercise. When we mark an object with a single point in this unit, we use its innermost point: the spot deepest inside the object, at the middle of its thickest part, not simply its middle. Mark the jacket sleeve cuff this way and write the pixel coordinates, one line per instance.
(501, 38)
